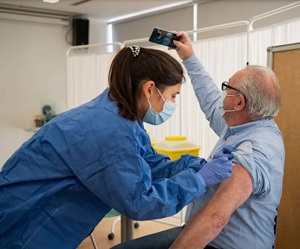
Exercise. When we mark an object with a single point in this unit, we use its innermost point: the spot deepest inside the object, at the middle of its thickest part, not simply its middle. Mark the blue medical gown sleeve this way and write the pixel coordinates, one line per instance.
(125, 181)
(133, 193)
(162, 167)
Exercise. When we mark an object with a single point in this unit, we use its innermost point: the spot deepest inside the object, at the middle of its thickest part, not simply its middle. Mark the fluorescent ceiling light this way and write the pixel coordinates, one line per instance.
(144, 12)
(48, 20)
(51, 1)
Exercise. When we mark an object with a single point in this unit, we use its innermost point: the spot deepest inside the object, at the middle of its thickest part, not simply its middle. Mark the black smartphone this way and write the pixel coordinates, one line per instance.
(163, 37)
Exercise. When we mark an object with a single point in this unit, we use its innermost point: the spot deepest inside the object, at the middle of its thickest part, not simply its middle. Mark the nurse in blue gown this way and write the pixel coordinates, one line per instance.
(59, 184)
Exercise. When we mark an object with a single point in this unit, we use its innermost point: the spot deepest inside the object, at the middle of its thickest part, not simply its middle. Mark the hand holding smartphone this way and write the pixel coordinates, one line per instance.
(163, 37)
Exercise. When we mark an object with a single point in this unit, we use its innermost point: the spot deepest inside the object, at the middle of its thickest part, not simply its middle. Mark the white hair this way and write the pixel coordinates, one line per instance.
(260, 87)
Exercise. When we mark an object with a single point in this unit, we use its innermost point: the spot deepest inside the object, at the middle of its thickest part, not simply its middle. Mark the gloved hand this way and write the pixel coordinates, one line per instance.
(227, 149)
(219, 168)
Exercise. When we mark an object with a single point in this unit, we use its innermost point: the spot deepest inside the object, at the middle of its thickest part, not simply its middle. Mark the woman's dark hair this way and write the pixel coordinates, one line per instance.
(129, 71)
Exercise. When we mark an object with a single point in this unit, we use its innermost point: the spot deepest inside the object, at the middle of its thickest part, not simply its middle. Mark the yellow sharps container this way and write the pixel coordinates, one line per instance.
(176, 146)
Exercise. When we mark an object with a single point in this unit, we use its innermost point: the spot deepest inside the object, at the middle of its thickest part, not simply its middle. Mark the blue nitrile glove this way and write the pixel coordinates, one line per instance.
(227, 149)
(218, 169)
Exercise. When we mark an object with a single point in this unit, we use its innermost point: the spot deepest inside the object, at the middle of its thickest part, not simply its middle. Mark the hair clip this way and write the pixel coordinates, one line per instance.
(135, 50)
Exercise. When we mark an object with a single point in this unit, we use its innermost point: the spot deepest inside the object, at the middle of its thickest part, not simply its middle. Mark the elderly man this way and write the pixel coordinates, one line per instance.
(241, 211)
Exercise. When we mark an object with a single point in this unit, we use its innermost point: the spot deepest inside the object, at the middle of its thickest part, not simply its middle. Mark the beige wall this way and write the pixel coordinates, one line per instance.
(209, 14)
(32, 70)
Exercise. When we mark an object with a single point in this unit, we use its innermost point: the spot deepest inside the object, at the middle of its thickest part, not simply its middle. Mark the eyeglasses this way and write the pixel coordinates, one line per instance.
(225, 86)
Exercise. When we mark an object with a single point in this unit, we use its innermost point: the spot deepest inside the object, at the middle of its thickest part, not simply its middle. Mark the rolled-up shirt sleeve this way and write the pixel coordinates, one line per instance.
(251, 157)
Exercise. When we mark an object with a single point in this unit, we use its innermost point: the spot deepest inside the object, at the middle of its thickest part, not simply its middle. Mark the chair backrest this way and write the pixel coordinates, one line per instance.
(275, 227)
(112, 213)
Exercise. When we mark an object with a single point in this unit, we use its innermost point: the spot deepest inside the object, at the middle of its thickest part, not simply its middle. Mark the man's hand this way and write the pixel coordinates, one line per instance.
(184, 46)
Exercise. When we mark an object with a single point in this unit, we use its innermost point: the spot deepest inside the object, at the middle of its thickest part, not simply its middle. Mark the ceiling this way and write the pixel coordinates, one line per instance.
(101, 9)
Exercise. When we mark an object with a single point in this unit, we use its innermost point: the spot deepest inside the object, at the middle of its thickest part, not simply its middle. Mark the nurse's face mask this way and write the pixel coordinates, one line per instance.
(156, 118)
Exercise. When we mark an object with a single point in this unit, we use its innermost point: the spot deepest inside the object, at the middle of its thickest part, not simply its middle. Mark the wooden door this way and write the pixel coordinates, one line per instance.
(286, 65)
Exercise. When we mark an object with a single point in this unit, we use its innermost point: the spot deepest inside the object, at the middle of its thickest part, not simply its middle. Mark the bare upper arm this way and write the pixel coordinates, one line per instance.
(211, 219)
(232, 192)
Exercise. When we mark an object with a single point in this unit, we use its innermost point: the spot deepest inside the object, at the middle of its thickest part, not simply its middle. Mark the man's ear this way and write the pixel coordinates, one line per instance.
(240, 102)
(148, 88)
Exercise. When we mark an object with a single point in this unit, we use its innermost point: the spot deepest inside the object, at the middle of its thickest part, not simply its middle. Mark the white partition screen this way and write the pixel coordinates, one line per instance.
(222, 57)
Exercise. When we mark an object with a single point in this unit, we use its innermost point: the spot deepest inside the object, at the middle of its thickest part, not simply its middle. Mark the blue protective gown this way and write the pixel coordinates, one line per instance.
(59, 184)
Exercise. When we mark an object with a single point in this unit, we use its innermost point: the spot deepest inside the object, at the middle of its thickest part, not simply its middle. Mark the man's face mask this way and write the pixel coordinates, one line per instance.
(156, 118)
(221, 102)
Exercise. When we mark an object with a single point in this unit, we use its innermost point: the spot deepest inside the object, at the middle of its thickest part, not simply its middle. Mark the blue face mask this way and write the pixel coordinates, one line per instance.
(156, 118)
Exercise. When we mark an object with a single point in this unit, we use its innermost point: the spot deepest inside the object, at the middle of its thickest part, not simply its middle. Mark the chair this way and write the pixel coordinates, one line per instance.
(111, 236)
(93, 241)
(275, 227)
